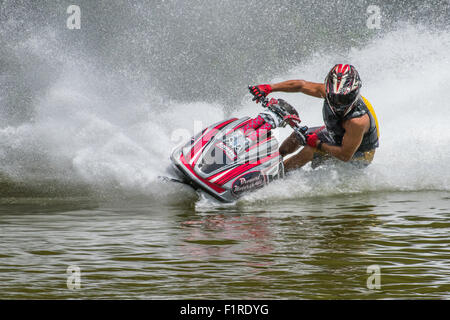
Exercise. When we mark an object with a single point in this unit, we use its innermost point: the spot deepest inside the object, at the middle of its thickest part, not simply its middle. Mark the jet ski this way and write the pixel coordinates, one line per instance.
(234, 156)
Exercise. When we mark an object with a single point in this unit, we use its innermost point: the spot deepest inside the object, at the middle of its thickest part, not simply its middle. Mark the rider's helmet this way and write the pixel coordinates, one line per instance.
(342, 86)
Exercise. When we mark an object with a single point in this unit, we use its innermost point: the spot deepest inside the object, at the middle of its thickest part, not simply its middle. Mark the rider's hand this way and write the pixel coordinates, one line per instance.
(260, 92)
(312, 139)
(272, 101)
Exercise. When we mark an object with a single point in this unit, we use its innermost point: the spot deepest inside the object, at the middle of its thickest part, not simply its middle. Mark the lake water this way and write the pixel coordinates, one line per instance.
(89, 117)
(313, 248)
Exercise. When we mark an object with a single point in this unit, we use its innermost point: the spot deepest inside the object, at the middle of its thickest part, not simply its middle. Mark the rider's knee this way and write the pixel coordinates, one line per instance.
(284, 151)
(289, 146)
(309, 150)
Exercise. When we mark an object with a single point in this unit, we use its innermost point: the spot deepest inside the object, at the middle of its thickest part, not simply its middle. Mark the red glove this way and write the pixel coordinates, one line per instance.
(311, 139)
(272, 102)
(260, 92)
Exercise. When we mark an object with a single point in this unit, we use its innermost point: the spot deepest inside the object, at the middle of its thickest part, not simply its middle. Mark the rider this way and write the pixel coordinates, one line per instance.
(350, 133)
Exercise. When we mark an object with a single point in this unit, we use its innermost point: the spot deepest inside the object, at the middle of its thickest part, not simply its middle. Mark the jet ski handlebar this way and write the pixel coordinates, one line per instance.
(289, 115)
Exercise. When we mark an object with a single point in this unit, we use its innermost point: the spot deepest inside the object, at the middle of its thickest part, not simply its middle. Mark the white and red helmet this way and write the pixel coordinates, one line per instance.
(342, 86)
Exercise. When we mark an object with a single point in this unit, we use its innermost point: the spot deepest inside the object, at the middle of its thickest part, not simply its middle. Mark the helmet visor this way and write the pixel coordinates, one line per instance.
(342, 101)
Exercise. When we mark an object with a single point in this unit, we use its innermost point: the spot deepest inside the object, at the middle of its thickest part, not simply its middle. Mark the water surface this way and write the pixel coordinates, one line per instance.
(313, 248)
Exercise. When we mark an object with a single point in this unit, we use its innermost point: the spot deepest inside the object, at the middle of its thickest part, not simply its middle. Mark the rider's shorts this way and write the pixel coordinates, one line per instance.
(360, 159)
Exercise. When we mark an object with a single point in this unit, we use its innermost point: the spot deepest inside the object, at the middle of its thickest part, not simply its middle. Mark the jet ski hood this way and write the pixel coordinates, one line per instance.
(220, 161)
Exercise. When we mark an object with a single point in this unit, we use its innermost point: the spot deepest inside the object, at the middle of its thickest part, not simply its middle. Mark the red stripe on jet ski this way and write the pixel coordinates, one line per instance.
(194, 142)
(242, 124)
(234, 173)
(260, 143)
(212, 186)
(207, 138)
(256, 145)
(218, 174)
(244, 168)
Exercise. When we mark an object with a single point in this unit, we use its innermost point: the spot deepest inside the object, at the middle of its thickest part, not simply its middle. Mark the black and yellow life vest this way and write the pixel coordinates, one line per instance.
(336, 131)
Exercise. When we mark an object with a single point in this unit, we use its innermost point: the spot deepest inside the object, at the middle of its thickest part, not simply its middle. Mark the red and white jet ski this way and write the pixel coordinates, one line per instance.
(236, 156)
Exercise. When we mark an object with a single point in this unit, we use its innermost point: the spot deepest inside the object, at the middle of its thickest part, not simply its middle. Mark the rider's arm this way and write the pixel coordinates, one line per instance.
(310, 88)
(354, 132)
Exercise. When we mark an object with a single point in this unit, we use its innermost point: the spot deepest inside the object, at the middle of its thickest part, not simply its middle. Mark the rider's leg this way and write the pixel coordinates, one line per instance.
(300, 159)
(290, 145)
(306, 154)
